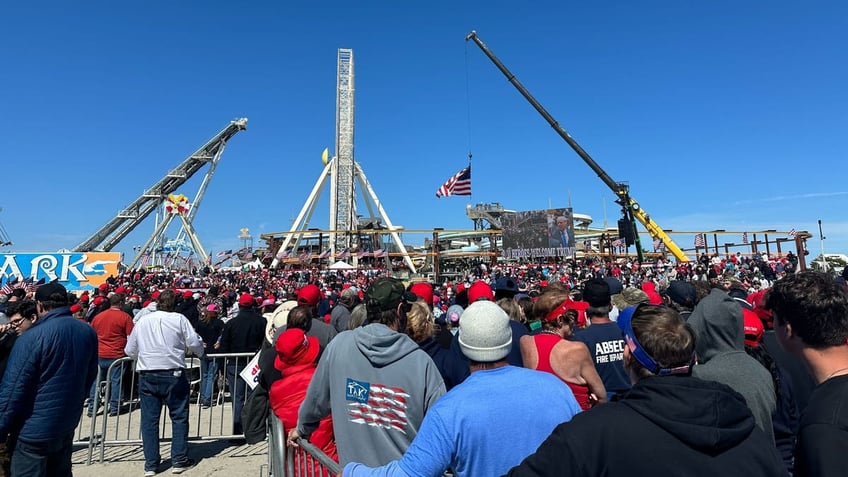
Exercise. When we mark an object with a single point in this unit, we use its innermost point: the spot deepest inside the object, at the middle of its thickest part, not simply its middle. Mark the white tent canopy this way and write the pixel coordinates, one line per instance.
(341, 266)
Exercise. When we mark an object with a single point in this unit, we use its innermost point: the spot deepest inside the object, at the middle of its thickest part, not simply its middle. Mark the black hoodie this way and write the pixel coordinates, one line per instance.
(675, 425)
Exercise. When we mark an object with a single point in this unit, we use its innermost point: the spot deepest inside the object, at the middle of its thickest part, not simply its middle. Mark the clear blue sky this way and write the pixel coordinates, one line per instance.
(720, 115)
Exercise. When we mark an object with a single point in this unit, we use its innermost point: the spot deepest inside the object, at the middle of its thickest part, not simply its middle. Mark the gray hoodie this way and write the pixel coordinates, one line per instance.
(717, 320)
(378, 384)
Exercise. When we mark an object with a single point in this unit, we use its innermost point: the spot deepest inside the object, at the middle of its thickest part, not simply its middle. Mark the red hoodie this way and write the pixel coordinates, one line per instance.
(288, 393)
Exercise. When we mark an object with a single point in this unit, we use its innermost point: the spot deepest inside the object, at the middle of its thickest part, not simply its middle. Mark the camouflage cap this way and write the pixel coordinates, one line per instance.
(387, 293)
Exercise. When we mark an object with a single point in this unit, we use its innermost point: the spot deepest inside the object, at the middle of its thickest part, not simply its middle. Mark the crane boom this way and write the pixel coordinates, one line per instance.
(620, 189)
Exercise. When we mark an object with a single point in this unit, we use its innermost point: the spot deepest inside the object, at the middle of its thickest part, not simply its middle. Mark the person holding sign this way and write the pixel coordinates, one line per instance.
(243, 334)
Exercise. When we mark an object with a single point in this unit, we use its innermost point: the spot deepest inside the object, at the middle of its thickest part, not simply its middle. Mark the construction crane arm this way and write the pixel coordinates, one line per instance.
(621, 190)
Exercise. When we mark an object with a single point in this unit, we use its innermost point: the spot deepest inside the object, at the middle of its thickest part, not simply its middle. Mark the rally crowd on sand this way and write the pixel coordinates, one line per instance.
(727, 365)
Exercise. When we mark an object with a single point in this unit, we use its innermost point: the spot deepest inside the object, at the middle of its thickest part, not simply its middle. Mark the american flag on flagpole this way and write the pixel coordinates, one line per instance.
(381, 253)
(324, 254)
(792, 233)
(9, 287)
(304, 257)
(344, 253)
(459, 184)
(744, 237)
(26, 283)
(362, 253)
(700, 241)
(32, 286)
(617, 243)
(223, 253)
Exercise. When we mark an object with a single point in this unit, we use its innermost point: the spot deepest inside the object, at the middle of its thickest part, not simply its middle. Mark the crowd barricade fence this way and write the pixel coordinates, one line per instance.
(306, 460)
(215, 422)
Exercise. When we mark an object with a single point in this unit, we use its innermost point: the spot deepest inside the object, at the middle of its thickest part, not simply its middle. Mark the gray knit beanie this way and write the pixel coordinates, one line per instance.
(484, 332)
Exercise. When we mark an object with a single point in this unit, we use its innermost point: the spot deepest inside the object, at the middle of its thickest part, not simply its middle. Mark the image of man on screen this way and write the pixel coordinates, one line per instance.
(559, 236)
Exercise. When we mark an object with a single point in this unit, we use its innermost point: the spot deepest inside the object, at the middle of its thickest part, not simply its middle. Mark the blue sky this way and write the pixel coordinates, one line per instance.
(719, 115)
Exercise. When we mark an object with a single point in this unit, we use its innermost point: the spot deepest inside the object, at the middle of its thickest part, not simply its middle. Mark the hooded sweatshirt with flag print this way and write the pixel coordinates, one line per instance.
(717, 321)
(378, 384)
(673, 425)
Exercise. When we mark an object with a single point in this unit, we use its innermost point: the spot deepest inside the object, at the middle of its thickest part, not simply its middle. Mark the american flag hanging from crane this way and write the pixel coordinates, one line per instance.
(459, 184)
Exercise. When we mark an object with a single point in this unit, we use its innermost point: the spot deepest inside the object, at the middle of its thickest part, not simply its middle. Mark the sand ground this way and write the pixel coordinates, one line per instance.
(209, 444)
(214, 458)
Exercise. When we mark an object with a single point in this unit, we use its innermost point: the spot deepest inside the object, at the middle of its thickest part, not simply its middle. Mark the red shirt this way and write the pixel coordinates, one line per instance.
(112, 327)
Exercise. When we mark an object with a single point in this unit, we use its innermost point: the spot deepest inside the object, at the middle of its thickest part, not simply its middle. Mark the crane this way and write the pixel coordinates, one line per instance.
(632, 210)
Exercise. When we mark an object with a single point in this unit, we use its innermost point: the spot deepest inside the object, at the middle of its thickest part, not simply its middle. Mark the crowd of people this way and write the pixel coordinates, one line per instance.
(580, 367)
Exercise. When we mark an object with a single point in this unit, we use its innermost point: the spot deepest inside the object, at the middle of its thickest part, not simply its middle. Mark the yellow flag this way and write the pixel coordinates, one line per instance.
(325, 155)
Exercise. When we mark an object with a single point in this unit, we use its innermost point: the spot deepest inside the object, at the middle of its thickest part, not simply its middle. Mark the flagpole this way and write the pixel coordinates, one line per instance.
(825, 265)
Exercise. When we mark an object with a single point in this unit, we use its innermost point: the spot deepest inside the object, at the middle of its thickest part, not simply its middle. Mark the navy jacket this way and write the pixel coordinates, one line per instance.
(48, 376)
(453, 369)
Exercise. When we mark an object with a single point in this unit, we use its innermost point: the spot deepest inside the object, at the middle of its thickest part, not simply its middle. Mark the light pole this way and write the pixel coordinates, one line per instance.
(821, 241)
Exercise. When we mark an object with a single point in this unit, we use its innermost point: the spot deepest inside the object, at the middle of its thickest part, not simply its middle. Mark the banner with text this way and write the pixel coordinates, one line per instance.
(538, 234)
(76, 271)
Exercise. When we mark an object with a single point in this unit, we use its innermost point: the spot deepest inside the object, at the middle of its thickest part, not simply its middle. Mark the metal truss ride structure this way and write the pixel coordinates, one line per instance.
(152, 199)
(344, 174)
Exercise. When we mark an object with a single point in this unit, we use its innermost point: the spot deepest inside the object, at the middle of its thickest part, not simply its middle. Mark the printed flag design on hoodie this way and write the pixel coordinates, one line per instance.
(376, 404)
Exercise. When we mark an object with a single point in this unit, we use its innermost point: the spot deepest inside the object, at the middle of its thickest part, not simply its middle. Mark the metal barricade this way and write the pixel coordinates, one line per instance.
(305, 460)
(215, 422)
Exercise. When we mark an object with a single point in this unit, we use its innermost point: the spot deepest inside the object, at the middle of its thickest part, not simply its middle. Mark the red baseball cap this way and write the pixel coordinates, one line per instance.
(309, 295)
(423, 290)
(480, 290)
(246, 299)
(753, 327)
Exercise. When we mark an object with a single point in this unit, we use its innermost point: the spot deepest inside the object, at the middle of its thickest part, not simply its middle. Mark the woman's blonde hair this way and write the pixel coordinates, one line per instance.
(419, 321)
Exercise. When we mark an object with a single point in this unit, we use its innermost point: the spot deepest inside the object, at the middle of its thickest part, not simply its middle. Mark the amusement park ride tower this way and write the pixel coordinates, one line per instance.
(161, 197)
(344, 174)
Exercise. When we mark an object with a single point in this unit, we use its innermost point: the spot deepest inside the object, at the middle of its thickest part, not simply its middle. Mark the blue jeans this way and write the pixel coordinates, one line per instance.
(154, 389)
(43, 459)
(237, 388)
(208, 373)
(114, 384)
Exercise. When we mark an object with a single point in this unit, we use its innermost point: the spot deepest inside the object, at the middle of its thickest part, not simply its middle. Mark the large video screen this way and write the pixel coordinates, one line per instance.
(538, 233)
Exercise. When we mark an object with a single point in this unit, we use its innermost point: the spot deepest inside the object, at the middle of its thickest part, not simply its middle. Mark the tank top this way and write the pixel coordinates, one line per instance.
(544, 345)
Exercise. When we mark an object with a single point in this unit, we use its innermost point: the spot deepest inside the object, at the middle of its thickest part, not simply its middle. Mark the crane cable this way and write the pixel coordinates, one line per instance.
(468, 101)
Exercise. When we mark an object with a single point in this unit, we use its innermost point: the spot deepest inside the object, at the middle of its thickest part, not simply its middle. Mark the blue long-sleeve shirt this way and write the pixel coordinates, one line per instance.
(484, 426)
